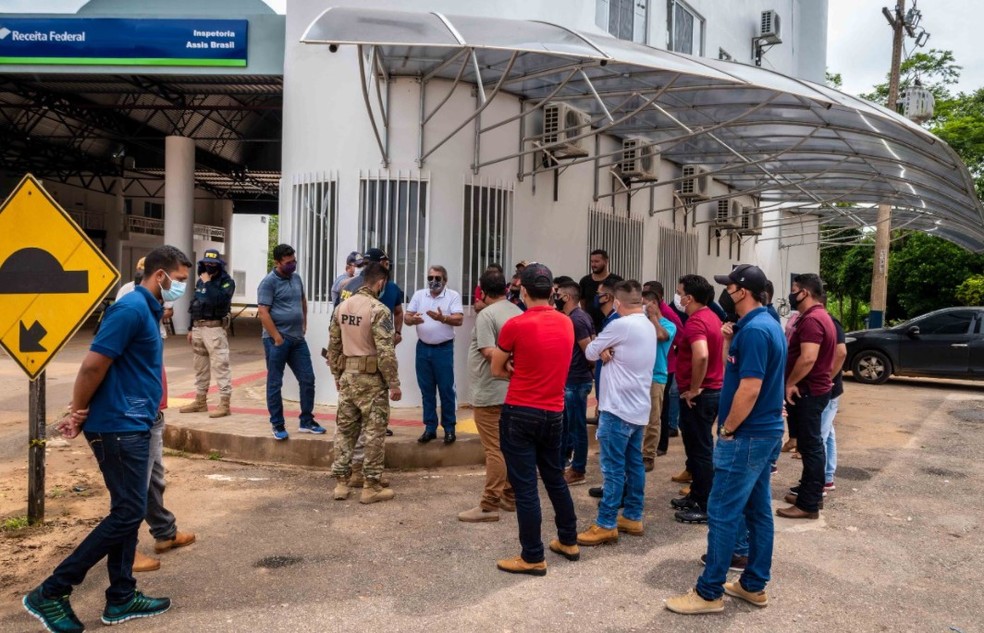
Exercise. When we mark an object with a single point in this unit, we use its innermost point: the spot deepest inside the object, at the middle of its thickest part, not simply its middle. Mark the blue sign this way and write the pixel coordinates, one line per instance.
(123, 42)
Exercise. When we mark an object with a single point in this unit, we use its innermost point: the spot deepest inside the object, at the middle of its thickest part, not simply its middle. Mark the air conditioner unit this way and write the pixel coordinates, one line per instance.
(751, 222)
(694, 184)
(727, 214)
(561, 123)
(770, 32)
(640, 160)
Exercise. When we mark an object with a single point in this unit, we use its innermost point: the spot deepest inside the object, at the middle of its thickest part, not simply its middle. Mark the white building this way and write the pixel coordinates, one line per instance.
(440, 211)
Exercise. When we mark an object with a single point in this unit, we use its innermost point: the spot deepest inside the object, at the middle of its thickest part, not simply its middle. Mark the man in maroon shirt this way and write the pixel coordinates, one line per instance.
(700, 373)
(534, 352)
(812, 346)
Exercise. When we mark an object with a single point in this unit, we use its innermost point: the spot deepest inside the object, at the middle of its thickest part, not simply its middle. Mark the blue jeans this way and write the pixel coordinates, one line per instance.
(576, 425)
(530, 441)
(122, 458)
(829, 436)
(435, 375)
(742, 488)
(622, 469)
(293, 353)
(674, 405)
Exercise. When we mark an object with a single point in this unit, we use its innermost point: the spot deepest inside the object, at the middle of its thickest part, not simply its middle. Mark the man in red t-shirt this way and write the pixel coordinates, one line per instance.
(812, 346)
(700, 373)
(534, 352)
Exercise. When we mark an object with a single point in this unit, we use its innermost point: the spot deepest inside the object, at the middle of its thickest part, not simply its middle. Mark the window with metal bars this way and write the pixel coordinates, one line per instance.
(677, 256)
(314, 220)
(485, 236)
(393, 217)
(622, 237)
(624, 19)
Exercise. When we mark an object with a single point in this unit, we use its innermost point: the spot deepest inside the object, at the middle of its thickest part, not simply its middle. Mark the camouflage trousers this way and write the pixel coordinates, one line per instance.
(363, 409)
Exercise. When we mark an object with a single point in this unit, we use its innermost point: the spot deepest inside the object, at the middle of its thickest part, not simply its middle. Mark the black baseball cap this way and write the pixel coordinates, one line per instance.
(536, 276)
(747, 276)
(354, 259)
(376, 255)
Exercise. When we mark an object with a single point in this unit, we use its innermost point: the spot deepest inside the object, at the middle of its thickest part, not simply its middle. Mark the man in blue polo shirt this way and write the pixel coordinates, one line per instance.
(750, 433)
(115, 402)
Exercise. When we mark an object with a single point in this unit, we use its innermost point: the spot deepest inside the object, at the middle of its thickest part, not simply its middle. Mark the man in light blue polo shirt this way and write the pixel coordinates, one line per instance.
(282, 308)
(115, 402)
(750, 433)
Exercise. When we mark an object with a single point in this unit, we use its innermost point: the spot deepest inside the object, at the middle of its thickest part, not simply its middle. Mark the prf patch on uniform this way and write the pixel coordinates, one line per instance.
(387, 322)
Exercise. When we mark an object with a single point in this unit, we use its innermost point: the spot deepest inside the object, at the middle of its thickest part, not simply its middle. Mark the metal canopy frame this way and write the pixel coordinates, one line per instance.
(788, 142)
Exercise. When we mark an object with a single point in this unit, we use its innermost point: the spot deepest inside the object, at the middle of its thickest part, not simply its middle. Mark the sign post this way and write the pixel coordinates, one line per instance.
(35, 454)
(52, 277)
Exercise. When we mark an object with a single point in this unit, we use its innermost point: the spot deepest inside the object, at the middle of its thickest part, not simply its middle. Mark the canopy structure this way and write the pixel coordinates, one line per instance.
(786, 142)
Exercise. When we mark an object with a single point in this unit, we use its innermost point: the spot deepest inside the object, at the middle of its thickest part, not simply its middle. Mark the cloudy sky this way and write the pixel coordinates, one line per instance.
(859, 38)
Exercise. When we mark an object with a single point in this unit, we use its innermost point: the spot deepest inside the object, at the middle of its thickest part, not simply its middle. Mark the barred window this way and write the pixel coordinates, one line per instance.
(393, 217)
(677, 257)
(485, 236)
(314, 232)
(619, 235)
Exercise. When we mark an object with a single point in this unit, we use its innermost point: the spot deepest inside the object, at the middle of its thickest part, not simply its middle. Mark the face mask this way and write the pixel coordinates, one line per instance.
(793, 300)
(137, 279)
(559, 302)
(289, 268)
(212, 270)
(175, 292)
(435, 285)
(678, 302)
(728, 305)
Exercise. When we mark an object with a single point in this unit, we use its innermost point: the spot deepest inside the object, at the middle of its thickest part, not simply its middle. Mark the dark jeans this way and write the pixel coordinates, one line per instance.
(435, 373)
(122, 458)
(576, 425)
(741, 496)
(163, 525)
(530, 440)
(664, 417)
(696, 426)
(293, 353)
(805, 416)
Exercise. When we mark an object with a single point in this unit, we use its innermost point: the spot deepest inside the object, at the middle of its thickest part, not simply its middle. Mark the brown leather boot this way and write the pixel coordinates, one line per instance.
(222, 410)
(199, 405)
(570, 552)
(180, 540)
(633, 528)
(142, 562)
(341, 492)
(793, 512)
(683, 478)
(519, 566)
(374, 491)
(596, 535)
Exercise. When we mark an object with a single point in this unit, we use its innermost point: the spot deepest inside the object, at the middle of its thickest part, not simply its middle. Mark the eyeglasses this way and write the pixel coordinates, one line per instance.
(435, 278)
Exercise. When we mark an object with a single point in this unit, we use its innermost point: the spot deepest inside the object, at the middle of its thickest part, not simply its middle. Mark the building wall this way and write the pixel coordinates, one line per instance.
(250, 245)
(326, 130)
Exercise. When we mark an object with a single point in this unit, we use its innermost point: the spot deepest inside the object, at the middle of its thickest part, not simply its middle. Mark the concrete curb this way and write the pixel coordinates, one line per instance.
(402, 450)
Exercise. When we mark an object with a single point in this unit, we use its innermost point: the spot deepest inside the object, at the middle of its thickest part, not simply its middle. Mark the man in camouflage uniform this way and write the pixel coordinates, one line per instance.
(362, 358)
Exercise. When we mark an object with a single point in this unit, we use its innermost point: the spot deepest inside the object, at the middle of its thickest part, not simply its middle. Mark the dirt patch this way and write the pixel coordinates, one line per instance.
(855, 474)
(943, 472)
(277, 562)
(969, 415)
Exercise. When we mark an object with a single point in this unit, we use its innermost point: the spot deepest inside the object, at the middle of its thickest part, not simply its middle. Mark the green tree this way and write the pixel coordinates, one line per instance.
(273, 238)
(925, 272)
(971, 291)
(936, 69)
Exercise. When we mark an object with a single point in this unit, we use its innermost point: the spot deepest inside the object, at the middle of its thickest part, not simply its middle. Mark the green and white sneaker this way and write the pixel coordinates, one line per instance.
(54, 613)
(139, 606)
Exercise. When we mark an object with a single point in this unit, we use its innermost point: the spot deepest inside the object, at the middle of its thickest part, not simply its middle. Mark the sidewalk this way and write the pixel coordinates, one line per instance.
(246, 434)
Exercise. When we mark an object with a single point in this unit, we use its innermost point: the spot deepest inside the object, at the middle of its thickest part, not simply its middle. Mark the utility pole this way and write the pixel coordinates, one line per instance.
(883, 228)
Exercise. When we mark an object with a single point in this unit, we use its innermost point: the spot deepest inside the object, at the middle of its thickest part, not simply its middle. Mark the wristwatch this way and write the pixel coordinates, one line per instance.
(724, 432)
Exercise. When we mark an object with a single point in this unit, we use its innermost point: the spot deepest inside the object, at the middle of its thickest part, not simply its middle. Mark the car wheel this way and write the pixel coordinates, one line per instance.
(871, 367)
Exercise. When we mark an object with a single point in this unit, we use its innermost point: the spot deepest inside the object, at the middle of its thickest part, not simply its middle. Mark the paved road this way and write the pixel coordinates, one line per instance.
(898, 549)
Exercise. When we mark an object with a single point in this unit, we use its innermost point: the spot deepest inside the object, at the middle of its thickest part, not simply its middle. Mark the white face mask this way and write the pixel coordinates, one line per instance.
(678, 302)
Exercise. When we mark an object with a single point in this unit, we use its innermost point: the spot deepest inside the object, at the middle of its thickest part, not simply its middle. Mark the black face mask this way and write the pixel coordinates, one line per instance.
(793, 300)
(727, 304)
(137, 279)
(559, 302)
(212, 270)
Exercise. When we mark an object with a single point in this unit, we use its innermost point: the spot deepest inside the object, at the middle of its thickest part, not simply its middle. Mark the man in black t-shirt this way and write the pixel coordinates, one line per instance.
(580, 379)
(598, 263)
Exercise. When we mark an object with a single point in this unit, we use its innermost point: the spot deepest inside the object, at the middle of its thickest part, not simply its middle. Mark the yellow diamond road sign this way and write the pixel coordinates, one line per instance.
(51, 276)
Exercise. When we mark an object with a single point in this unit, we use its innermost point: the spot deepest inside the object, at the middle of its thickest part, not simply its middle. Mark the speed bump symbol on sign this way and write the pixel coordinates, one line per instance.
(52, 277)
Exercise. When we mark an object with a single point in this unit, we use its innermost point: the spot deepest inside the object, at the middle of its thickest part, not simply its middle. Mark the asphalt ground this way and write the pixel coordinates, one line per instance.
(898, 547)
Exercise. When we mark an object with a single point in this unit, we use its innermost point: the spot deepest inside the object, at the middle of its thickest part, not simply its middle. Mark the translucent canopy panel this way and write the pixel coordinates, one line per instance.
(782, 140)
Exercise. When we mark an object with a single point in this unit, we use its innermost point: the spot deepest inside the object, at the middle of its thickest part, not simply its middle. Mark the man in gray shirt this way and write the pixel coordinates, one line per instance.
(488, 395)
(283, 314)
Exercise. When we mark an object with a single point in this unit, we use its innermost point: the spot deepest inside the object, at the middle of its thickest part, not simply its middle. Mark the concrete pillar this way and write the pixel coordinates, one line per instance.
(226, 206)
(114, 231)
(179, 213)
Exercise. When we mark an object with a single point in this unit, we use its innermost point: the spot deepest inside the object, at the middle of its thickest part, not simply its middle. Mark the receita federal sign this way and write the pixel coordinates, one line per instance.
(51, 276)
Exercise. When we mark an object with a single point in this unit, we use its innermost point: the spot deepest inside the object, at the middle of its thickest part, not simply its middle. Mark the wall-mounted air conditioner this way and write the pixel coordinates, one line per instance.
(727, 214)
(694, 185)
(640, 160)
(751, 222)
(769, 31)
(561, 123)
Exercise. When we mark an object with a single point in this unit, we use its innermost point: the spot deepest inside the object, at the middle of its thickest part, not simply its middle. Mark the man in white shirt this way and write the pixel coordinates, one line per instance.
(628, 347)
(436, 311)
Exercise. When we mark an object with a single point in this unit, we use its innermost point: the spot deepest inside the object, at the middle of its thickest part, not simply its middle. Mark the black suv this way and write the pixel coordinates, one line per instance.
(948, 343)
